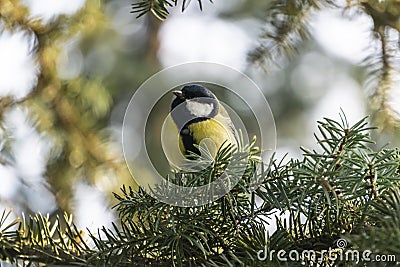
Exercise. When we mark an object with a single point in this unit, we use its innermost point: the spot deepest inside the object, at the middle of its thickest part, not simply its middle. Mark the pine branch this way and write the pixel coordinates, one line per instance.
(286, 29)
(159, 8)
(37, 240)
(381, 236)
(383, 75)
(342, 189)
(334, 187)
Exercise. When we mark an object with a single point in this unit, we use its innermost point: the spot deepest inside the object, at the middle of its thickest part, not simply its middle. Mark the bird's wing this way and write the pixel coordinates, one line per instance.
(172, 142)
(223, 113)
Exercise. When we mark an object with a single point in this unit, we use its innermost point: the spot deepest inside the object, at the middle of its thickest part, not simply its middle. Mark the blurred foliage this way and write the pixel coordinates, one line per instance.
(287, 27)
(343, 190)
(72, 113)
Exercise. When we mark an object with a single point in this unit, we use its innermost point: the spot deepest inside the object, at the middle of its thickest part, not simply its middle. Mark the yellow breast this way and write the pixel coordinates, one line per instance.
(213, 133)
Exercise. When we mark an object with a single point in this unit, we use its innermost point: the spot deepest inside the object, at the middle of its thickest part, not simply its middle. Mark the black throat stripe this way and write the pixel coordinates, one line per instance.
(188, 141)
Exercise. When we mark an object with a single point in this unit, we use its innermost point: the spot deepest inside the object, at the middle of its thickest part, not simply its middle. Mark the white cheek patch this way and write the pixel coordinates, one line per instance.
(199, 109)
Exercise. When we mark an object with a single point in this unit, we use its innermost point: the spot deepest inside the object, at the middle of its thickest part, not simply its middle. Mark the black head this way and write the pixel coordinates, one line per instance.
(192, 91)
(195, 91)
(193, 98)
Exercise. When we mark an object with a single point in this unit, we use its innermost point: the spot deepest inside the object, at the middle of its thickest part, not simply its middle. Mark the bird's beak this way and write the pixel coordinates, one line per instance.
(178, 93)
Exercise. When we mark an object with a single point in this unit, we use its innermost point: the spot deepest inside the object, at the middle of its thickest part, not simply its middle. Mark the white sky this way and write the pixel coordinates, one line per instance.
(201, 38)
(91, 208)
(47, 10)
(344, 38)
(17, 65)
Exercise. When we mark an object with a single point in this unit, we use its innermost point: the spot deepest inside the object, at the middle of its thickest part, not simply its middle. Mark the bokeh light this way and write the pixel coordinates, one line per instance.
(18, 66)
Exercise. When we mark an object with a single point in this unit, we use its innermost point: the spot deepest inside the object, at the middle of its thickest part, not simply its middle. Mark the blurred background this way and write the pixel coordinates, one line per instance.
(69, 68)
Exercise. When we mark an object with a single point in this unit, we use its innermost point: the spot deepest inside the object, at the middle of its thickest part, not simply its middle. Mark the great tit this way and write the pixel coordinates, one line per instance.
(201, 120)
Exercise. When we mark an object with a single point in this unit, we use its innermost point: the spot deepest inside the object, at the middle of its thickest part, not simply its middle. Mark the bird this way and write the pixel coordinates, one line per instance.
(201, 121)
